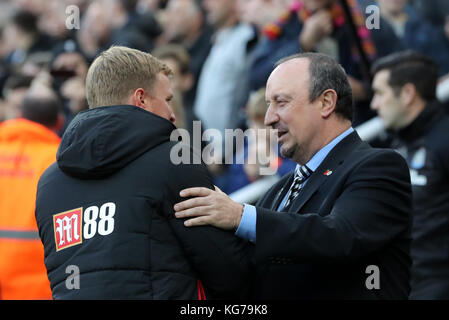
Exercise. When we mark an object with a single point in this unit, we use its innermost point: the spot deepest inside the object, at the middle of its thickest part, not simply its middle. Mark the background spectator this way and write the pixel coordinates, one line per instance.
(219, 98)
(405, 86)
(27, 147)
(414, 32)
(14, 91)
(185, 24)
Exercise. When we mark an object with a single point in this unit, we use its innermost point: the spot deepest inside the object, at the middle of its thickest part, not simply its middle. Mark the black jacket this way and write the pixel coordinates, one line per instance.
(353, 213)
(425, 146)
(106, 207)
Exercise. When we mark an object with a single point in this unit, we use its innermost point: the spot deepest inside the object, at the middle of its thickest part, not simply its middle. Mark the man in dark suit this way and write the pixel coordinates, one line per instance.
(339, 226)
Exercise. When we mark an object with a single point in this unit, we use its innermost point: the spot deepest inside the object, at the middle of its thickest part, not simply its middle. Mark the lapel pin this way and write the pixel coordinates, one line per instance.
(327, 172)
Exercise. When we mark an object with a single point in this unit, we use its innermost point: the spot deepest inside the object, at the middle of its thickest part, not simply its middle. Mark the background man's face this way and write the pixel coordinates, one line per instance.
(179, 14)
(218, 11)
(13, 103)
(290, 111)
(386, 103)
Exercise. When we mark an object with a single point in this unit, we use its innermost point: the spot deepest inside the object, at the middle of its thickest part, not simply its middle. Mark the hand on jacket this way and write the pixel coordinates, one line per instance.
(209, 207)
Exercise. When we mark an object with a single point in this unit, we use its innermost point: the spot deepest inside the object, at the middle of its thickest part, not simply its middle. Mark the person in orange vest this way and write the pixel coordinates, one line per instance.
(28, 146)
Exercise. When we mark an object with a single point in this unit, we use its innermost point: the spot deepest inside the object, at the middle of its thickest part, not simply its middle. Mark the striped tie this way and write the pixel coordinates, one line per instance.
(301, 175)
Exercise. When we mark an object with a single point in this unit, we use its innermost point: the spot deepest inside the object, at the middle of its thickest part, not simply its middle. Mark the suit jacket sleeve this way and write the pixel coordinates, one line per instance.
(220, 258)
(373, 208)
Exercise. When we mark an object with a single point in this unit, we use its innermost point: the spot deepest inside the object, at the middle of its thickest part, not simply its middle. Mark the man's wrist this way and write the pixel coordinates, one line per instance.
(239, 217)
(247, 225)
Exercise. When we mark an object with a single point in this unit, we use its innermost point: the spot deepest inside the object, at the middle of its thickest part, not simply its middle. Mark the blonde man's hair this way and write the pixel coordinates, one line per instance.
(117, 72)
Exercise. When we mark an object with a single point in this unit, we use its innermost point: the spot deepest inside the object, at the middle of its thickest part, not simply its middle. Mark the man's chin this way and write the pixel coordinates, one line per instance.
(287, 152)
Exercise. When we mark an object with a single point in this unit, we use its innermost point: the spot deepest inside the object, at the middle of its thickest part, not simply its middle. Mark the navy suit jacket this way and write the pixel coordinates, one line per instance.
(354, 212)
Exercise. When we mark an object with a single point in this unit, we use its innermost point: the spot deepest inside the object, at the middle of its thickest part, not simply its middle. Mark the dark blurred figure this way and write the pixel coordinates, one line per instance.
(434, 11)
(129, 27)
(404, 96)
(414, 32)
(27, 147)
(58, 22)
(14, 91)
(28, 39)
(68, 71)
(6, 46)
(185, 24)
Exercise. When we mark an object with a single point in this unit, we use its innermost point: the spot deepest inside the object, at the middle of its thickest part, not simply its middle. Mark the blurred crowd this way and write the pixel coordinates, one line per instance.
(221, 51)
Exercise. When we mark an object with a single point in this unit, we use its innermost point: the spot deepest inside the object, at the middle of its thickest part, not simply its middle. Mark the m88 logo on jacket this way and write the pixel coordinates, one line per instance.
(69, 229)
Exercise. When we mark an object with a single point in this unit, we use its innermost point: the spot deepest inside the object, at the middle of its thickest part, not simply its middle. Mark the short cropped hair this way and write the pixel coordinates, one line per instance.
(25, 21)
(326, 73)
(129, 5)
(41, 109)
(118, 72)
(410, 67)
(17, 81)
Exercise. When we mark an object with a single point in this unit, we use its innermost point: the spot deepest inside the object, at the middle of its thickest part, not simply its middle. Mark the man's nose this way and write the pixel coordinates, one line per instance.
(173, 118)
(373, 104)
(271, 117)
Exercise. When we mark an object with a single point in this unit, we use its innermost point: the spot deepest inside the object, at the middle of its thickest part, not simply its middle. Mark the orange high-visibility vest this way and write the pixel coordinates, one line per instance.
(26, 150)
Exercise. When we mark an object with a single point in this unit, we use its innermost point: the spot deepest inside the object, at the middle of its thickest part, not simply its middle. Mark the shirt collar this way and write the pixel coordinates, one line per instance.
(316, 160)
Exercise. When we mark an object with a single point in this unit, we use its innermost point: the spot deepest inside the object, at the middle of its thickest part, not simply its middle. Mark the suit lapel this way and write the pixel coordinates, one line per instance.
(282, 192)
(332, 161)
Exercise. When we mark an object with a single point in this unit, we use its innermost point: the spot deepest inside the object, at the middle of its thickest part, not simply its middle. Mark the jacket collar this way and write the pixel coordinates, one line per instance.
(333, 160)
(423, 122)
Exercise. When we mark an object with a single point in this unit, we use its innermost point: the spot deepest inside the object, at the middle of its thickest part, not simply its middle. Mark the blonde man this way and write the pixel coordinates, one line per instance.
(105, 208)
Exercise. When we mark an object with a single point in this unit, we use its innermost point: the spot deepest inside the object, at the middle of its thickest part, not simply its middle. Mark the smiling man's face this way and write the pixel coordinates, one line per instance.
(290, 111)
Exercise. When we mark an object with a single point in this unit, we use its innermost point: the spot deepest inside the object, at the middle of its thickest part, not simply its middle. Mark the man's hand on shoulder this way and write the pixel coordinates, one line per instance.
(209, 207)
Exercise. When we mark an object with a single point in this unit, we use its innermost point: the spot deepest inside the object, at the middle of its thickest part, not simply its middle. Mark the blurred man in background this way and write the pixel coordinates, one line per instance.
(14, 91)
(185, 24)
(412, 31)
(28, 39)
(404, 97)
(218, 98)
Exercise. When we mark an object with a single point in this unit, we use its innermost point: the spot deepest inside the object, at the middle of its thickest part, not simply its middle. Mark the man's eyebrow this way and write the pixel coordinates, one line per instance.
(282, 96)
